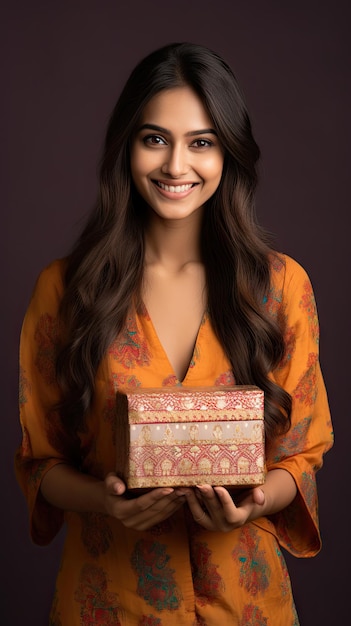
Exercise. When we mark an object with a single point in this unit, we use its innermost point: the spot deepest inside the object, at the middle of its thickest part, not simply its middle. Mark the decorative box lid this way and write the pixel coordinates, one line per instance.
(155, 405)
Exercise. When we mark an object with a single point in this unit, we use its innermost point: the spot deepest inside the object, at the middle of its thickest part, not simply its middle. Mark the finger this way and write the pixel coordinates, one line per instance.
(144, 519)
(131, 511)
(221, 508)
(258, 496)
(151, 517)
(145, 507)
(152, 498)
(224, 496)
(195, 502)
(210, 499)
(115, 486)
(198, 510)
(228, 507)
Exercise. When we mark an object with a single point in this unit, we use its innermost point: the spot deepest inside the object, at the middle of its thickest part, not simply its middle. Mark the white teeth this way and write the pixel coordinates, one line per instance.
(173, 188)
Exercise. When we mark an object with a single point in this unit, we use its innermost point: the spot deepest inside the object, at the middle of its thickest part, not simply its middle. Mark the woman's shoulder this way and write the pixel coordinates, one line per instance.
(49, 285)
(286, 271)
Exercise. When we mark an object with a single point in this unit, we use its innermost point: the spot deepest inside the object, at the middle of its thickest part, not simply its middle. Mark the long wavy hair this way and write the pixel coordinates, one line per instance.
(105, 268)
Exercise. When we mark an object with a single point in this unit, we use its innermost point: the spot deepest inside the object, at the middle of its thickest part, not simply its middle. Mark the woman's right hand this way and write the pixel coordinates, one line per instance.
(142, 512)
(68, 489)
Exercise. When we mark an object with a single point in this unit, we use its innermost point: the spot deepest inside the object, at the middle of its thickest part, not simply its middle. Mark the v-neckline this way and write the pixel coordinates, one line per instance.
(146, 315)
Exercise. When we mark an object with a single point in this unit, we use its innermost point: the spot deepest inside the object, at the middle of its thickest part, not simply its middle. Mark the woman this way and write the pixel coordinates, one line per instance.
(172, 282)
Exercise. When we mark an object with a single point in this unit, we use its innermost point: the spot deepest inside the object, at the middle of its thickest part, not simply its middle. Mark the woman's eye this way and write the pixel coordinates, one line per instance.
(202, 143)
(154, 140)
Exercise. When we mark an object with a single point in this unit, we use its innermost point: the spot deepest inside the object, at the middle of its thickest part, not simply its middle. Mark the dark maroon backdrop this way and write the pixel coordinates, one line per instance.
(64, 64)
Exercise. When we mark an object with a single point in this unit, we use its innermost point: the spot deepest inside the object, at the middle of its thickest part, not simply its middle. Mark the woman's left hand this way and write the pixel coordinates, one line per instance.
(214, 509)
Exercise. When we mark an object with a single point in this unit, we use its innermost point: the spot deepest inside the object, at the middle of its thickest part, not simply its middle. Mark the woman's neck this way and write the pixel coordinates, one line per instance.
(173, 244)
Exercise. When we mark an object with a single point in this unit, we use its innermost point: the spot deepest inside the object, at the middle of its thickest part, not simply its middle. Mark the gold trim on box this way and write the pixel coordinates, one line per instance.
(191, 436)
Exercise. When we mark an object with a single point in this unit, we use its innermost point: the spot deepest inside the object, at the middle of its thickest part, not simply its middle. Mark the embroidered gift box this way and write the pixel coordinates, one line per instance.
(189, 436)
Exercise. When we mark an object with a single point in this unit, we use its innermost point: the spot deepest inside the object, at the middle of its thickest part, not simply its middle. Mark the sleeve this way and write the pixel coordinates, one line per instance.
(42, 445)
(301, 450)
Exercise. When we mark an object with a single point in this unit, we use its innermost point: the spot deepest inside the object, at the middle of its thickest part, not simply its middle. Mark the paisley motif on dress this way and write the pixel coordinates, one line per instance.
(156, 583)
(309, 489)
(306, 390)
(170, 381)
(208, 584)
(252, 616)
(290, 345)
(227, 379)
(130, 349)
(294, 442)
(255, 571)
(308, 305)
(99, 606)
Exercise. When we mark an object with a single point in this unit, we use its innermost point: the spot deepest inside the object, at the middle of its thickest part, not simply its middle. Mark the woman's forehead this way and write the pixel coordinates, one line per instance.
(179, 108)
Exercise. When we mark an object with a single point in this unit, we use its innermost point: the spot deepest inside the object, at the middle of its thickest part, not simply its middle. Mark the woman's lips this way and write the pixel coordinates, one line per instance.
(171, 191)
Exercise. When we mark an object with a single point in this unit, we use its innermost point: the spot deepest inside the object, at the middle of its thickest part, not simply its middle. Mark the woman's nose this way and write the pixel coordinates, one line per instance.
(176, 162)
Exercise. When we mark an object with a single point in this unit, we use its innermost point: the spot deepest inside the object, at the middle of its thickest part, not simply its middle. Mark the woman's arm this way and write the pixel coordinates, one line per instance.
(68, 489)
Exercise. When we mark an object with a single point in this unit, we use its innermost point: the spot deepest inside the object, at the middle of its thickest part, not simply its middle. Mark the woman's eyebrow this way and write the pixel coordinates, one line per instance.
(165, 131)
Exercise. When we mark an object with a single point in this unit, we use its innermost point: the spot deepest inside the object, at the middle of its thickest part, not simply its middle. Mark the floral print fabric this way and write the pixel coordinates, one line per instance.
(177, 573)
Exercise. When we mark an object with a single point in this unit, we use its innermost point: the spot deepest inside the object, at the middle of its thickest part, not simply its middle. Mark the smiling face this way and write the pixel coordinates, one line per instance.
(176, 156)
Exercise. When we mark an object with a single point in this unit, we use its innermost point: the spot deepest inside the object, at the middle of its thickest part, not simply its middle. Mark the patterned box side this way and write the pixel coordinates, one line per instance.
(188, 436)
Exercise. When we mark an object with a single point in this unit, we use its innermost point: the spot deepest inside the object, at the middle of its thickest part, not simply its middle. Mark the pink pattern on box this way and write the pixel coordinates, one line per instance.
(191, 435)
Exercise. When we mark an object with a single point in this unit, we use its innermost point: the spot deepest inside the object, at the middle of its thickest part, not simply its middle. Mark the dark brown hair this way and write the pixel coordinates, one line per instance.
(105, 268)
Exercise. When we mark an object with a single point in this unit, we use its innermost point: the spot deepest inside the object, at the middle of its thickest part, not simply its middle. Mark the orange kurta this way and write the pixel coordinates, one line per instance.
(177, 573)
